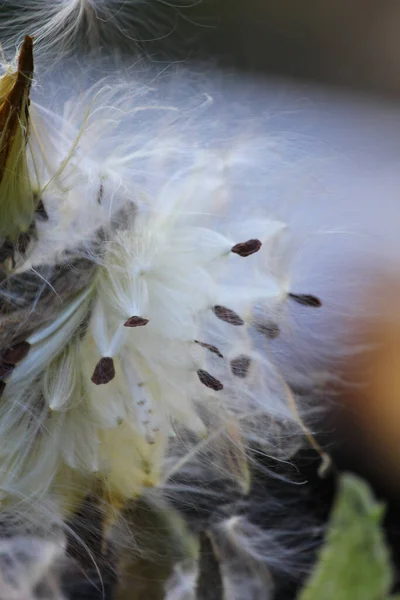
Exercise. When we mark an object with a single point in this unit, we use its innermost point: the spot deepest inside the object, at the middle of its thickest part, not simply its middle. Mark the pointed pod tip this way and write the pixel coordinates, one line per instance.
(25, 57)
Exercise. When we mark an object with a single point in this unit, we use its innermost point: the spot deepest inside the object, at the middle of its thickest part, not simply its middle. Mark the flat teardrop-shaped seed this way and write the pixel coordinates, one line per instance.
(5, 369)
(2, 387)
(270, 330)
(104, 371)
(227, 315)
(306, 300)
(209, 381)
(15, 353)
(246, 248)
(240, 366)
(210, 347)
(136, 322)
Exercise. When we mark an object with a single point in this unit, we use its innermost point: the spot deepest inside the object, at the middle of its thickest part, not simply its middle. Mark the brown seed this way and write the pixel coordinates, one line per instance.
(2, 387)
(104, 371)
(227, 315)
(270, 329)
(240, 366)
(306, 300)
(11, 108)
(209, 347)
(209, 381)
(136, 322)
(246, 248)
(15, 353)
(5, 369)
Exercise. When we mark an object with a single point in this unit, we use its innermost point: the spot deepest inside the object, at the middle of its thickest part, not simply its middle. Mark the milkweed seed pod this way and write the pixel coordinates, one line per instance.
(160, 304)
(133, 301)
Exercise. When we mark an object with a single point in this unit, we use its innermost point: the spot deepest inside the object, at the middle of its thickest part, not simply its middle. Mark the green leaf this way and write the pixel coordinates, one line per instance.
(354, 563)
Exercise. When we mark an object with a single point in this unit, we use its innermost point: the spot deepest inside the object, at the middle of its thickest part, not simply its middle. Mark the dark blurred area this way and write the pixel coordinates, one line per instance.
(351, 43)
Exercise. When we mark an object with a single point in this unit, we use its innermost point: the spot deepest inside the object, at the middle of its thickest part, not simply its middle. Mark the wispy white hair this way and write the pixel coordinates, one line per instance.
(63, 27)
(244, 558)
(206, 216)
(31, 567)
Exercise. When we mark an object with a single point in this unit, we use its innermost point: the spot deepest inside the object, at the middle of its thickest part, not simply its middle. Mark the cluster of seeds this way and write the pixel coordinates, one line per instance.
(154, 339)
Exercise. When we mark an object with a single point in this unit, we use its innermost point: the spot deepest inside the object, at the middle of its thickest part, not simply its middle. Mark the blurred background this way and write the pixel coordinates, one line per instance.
(347, 43)
(351, 43)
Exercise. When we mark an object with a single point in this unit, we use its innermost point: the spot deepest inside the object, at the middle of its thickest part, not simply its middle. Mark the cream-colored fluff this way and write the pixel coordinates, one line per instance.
(161, 357)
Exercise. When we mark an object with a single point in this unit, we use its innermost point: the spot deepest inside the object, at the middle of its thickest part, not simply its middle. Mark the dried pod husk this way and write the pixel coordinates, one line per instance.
(17, 203)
